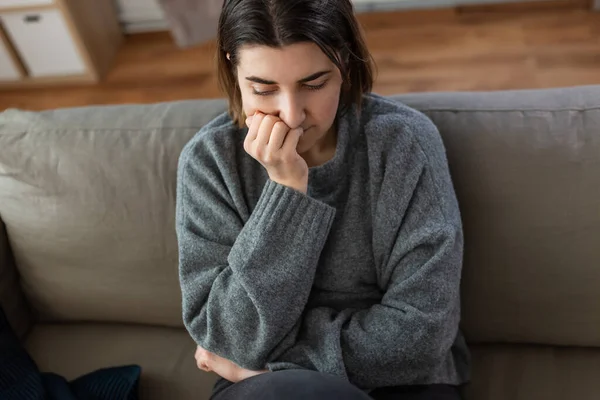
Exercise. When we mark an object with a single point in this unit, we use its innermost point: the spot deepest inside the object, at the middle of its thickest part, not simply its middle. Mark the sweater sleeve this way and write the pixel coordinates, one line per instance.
(244, 285)
(407, 336)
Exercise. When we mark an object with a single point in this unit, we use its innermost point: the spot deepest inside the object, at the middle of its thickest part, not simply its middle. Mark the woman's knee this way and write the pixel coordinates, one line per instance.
(293, 385)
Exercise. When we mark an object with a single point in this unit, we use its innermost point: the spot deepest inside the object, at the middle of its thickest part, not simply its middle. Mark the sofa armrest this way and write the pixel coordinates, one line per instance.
(12, 299)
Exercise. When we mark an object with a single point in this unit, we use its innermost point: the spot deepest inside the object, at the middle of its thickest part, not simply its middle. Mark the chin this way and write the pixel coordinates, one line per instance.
(305, 138)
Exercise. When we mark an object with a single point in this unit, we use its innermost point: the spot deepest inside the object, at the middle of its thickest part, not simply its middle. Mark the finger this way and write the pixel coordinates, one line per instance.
(292, 139)
(253, 133)
(249, 120)
(203, 355)
(264, 132)
(253, 129)
(199, 353)
(278, 134)
(204, 367)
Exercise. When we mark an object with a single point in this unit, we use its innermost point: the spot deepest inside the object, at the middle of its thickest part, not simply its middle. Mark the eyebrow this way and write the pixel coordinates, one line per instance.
(303, 80)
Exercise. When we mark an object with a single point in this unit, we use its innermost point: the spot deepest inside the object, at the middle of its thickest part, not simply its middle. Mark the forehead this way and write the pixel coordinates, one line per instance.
(285, 64)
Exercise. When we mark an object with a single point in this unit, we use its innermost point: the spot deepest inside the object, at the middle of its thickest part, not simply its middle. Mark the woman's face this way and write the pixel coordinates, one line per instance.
(298, 83)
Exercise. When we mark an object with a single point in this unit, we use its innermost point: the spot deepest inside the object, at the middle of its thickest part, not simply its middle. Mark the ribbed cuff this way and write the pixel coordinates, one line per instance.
(287, 221)
(281, 207)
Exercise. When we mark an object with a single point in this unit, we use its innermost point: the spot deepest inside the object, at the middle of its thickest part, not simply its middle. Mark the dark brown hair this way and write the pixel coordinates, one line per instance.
(330, 24)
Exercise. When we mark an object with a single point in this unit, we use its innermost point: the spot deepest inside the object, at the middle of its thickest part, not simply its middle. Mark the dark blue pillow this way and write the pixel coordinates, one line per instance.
(20, 378)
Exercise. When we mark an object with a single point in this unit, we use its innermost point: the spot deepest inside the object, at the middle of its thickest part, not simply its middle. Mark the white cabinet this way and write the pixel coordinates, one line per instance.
(44, 43)
(57, 41)
(8, 69)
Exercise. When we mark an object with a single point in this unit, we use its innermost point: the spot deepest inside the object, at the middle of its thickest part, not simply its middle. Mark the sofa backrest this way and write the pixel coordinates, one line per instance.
(88, 199)
(526, 168)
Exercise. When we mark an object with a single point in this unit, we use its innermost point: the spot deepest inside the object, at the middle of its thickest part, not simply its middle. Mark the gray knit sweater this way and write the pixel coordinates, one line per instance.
(358, 278)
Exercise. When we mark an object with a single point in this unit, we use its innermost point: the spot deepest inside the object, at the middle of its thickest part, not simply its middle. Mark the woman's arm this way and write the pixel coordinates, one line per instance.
(406, 339)
(244, 286)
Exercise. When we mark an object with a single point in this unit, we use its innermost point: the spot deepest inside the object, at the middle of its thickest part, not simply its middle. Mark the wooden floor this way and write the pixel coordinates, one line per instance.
(467, 48)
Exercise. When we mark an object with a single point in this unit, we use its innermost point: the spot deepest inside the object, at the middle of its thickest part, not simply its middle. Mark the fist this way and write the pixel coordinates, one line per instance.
(207, 361)
(204, 359)
(272, 143)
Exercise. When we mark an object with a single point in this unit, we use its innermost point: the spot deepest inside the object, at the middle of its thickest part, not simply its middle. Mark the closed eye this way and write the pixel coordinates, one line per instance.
(270, 92)
(316, 87)
(265, 93)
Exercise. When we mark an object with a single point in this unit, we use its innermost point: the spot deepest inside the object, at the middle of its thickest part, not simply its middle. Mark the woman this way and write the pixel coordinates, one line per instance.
(319, 233)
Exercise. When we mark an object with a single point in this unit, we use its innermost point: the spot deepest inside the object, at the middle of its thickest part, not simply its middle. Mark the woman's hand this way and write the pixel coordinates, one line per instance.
(272, 143)
(208, 361)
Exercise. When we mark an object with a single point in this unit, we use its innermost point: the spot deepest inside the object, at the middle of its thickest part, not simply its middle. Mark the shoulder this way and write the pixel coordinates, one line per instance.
(394, 126)
(412, 156)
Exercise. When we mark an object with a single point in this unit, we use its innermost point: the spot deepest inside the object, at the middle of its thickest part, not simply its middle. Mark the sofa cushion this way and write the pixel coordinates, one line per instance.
(526, 166)
(524, 372)
(88, 198)
(21, 379)
(166, 356)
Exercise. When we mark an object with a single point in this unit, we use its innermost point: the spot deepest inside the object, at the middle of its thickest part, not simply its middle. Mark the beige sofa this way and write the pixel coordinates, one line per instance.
(88, 254)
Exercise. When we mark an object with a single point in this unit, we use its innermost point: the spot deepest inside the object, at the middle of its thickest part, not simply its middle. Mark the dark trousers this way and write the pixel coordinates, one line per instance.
(311, 385)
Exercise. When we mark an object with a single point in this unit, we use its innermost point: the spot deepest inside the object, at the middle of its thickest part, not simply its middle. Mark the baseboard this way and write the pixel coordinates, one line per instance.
(397, 5)
(359, 5)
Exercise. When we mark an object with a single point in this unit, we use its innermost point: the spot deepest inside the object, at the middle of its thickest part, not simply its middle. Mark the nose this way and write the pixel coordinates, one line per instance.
(292, 110)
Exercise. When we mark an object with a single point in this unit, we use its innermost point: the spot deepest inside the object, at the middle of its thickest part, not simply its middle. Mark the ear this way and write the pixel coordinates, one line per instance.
(228, 56)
